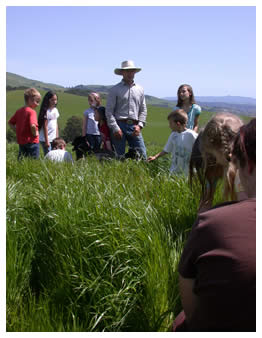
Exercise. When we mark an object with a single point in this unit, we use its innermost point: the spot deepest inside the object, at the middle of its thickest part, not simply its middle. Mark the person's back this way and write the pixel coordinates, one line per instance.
(58, 152)
(222, 246)
(59, 155)
(217, 269)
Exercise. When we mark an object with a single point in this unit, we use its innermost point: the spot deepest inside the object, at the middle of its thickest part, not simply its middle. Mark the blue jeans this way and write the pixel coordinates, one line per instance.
(94, 141)
(45, 148)
(134, 142)
(28, 150)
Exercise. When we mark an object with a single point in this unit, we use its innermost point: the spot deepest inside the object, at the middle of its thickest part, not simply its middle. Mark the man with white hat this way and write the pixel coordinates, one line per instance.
(126, 111)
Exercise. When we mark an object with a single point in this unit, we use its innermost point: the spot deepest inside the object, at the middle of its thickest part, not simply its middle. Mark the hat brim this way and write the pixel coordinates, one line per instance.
(118, 71)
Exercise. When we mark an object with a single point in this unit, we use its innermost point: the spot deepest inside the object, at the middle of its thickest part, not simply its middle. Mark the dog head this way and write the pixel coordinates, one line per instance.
(81, 147)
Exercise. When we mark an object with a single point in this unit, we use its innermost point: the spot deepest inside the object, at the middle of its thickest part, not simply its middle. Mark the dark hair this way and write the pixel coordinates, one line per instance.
(58, 143)
(102, 112)
(192, 97)
(44, 107)
(178, 115)
(244, 148)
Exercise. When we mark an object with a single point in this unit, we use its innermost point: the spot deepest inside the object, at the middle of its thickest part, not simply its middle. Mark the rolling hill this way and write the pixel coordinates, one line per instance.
(14, 80)
(236, 104)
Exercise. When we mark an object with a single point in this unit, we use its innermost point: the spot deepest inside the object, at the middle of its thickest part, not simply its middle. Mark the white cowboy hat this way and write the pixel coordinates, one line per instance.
(126, 65)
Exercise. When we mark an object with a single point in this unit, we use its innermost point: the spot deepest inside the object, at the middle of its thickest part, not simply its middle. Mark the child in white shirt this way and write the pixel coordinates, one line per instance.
(179, 144)
(58, 152)
(47, 121)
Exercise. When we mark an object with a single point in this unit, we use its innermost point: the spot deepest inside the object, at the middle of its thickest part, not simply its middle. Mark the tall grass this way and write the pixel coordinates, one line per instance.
(94, 246)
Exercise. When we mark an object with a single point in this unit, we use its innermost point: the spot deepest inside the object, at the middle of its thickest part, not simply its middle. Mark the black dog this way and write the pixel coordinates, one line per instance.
(133, 154)
(81, 147)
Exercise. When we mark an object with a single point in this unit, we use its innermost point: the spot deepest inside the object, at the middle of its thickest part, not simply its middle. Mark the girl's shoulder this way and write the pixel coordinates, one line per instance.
(89, 111)
(196, 107)
(52, 113)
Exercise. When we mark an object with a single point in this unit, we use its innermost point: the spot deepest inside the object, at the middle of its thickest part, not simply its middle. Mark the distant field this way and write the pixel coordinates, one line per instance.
(156, 131)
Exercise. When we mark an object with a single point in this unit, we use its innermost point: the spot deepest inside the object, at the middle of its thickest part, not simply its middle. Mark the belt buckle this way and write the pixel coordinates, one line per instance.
(129, 121)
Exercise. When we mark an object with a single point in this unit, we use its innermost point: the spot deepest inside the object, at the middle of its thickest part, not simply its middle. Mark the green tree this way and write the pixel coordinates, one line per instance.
(10, 136)
(72, 129)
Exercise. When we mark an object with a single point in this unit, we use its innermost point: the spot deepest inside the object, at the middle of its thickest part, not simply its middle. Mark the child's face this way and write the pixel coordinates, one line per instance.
(34, 101)
(53, 101)
(173, 125)
(184, 93)
(92, 102)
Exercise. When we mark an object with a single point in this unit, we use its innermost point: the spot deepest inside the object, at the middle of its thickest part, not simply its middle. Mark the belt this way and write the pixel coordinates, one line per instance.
(128, 121)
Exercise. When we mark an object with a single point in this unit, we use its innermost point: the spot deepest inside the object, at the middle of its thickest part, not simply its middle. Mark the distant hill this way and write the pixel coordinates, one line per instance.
(223, 99)
(236, 104)
(14, 80)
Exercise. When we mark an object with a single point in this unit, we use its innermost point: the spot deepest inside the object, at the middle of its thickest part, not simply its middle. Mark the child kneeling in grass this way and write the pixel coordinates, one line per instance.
(58, 152)
(179, 143)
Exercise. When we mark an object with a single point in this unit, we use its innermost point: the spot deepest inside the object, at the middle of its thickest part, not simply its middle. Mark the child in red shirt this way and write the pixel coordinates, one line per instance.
(100, 116)
(24, 123)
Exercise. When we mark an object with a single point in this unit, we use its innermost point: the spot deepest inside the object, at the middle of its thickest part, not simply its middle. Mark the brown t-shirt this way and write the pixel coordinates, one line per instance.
(220, 254)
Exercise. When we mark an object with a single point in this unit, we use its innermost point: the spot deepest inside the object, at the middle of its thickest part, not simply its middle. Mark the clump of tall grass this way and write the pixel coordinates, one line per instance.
(94, 246)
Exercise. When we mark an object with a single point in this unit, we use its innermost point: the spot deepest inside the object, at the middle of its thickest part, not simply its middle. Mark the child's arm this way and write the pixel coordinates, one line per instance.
(108, 145)
(195, 128)
(47, 144)
(57, 132)
(152, 158)
(34, 130)
(84, 126)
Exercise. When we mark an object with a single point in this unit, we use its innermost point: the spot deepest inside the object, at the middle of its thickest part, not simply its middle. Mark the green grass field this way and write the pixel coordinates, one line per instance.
(95, 246)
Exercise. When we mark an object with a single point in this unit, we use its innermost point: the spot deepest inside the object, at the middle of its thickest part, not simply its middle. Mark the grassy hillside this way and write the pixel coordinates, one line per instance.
(14, 80)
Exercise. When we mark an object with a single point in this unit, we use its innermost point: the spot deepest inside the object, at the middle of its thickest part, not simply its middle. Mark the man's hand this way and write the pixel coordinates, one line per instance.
(118, 134)
(137, 130)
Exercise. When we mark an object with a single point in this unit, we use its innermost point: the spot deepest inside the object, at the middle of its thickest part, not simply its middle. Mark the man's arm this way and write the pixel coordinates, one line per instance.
(110, 109)
(142, 112)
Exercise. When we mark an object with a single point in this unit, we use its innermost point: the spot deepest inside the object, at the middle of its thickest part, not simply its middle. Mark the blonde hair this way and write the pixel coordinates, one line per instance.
(30, 94)
(96, 97)
(178, 115)
(219, 134)
(217, 138)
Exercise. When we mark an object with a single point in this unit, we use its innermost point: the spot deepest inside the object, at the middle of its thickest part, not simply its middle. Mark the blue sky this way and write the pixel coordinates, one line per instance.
(211, 48)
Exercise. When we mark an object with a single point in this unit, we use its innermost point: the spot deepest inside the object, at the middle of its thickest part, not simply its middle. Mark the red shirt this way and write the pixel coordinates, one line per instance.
(105, 134)
(23, 119)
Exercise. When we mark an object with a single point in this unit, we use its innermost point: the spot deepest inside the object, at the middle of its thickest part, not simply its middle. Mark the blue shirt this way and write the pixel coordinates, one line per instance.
(193, 112)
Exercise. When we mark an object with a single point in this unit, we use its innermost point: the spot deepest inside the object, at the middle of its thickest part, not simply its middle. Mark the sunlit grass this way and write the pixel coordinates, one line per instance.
(94, 246)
